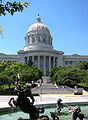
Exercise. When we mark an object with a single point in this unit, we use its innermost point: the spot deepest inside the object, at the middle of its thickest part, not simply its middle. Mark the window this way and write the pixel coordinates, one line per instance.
(70, 62)
(33, 39)
(44, 40)
(66, 62)
(28, 39)
(49, 40)
(38, 39)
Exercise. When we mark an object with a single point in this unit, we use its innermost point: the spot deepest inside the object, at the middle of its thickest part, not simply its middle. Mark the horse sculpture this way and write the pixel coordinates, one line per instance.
(23, 102)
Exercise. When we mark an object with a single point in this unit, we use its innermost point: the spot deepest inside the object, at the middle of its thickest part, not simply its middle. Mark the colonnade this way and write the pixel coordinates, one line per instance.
(45, 63)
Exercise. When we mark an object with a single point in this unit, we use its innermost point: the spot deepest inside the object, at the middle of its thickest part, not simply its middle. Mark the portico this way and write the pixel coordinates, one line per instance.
(45, 63)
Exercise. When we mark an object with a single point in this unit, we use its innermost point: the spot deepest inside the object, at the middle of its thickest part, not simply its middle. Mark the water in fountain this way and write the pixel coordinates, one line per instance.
(65, 114)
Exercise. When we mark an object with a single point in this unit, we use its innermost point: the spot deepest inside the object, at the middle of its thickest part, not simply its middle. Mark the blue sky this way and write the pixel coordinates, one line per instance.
(67, 21)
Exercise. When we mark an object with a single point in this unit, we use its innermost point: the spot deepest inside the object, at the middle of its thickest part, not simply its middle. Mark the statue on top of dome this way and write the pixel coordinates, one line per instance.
(38, 20)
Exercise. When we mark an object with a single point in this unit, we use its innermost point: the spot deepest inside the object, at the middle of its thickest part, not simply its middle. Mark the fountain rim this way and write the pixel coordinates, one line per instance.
(7, 110)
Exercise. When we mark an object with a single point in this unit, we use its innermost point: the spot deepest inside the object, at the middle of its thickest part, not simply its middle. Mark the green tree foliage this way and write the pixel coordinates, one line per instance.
(71, 75)
(52, 72)
(84, 65)
(12, 7)
(9, 71)
(31, 74)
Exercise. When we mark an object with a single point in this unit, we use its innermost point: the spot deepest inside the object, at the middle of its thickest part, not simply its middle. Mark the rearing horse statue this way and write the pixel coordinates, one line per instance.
(23, 102)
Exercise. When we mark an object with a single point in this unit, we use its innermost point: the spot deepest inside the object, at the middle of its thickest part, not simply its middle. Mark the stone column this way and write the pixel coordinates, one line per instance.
(53, 61)
(44, 65)
(56, 60)
(49, 63)
(39, 62)
(33, 59)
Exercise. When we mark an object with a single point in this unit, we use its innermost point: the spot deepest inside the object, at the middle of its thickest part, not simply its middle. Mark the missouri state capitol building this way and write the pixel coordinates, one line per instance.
(38, 45)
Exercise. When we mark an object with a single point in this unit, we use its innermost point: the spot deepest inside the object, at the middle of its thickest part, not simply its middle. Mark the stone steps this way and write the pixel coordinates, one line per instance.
(49, 88)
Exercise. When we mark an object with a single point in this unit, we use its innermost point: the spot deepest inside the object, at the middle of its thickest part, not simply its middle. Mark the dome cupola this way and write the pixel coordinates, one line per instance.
(38, 20)
(38, 36)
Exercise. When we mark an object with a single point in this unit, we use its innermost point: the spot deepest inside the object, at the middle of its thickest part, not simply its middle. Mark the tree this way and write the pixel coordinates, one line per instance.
(84, 65)
(69, 76)
(12, 7)
(9, 71)
(52, 73)
(31, 74)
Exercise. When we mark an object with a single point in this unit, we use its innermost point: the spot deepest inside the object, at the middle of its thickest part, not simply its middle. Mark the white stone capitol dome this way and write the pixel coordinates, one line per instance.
(38, 36)
(38, 25)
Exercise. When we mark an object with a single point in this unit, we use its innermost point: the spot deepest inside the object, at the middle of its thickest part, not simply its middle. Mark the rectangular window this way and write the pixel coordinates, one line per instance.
(66, 62)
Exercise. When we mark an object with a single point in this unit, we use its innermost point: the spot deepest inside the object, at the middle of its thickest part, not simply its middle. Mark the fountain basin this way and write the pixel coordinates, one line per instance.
(7, 114)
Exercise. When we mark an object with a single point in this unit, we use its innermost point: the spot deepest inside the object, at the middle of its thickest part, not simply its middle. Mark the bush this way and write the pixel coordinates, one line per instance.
(7, 92)
(35, 94)
(12, 92)
(78, 93)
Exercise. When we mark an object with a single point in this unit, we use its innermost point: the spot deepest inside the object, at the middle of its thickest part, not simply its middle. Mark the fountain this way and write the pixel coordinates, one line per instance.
(65, 113)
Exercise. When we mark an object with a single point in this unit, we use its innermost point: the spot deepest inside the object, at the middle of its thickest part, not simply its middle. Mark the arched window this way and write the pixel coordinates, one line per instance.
(44, 40)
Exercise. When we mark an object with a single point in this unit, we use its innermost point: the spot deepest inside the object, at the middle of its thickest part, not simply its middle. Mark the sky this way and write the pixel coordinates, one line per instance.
(67, 21)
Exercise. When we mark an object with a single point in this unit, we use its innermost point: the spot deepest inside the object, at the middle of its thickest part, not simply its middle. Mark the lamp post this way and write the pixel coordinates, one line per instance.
(41, 81)
(17, 79)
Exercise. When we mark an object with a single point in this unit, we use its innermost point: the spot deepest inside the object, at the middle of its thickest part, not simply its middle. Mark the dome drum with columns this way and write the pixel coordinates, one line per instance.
(38, 36)
(38, 45)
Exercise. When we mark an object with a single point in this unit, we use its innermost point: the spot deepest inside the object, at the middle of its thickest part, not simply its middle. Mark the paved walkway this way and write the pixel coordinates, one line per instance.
(52, 94)
(49, 99)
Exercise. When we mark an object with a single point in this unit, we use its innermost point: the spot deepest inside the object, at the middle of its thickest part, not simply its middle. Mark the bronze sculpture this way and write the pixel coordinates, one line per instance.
(59, 105)
(76, 113)
(24, 103)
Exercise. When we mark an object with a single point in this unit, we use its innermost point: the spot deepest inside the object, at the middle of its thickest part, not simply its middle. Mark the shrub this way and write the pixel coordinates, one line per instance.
(78, 93)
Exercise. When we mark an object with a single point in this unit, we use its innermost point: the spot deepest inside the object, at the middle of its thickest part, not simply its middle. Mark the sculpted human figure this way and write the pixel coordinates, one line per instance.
(23, 102)
(59, 105)
(76, 113)
(54, 115)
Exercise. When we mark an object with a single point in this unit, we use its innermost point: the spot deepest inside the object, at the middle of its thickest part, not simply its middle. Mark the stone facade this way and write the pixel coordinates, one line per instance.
(38, 45)
(71, 59)
(11, 58)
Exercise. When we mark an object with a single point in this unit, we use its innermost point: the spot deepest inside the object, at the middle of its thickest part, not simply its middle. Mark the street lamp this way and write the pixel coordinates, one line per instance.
(41, 81)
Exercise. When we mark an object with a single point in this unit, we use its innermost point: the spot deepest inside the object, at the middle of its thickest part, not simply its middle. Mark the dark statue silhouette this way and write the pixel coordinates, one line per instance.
(23, 102)
(76, 113)
(55, 115)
